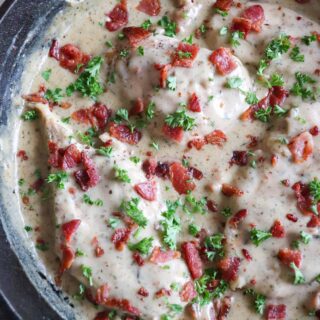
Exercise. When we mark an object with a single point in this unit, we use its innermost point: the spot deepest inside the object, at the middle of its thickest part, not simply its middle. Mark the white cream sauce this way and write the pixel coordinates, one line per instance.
(265, 198)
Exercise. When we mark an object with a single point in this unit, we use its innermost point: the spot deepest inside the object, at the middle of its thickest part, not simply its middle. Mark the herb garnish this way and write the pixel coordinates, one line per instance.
(59, 178)
(131, 209)
(259, 236)
(180, 119)
(142, 246)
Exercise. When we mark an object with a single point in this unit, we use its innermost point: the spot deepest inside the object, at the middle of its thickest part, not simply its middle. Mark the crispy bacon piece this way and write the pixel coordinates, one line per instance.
(164, 69)
(197, 143)
(137, 108)
(102, 294)
(185, 55)
(288, 256)
(292, 217)
(276, 312)
(138, 258)
(37, 97)
(159, 256)
(70, 57)
(192, 257)
(228, 190)
(143, 292)
(223, 61)
(149, 167)
(99, 252)
(118, 16)
(216, 137)
(22, 154)
(194, 103)
(229, 268)
(122, 304)
(196, 173)
(175, 134)
(135, 35)
(67, 259)
(188, 292)
(163, 293)
(222, 308)
(239, 158)
(120, 237)
(241, 24)
(304, 199)
(255, 14)
(103, 315)
(224, 5)
(180, 178)
(124, 134)
(212, 206)
(246, 254)
(69, 228)
(149, 7)
(162, 170)
(147, 190)
(314, 131)
(238, 217)
(278, 230)
(54, 50)
(301, 147)
(87, 177)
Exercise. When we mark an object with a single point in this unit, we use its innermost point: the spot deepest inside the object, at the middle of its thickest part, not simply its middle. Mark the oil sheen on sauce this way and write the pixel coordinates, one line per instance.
(205, 171)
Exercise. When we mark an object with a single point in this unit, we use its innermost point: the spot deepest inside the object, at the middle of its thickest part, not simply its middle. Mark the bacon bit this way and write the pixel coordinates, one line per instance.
(253, 141)
(188, 292)
(122, 304)
(147, 190)
(164, 69)
(239, 158)
(192, 257)
(54, 50)
(102, 294)
(292, 217)
(246, 254)
(163, 293)
(288, 256)
(69, 228)
(175, 134)
(314, 131)
(241, 24)
(228, 190)
(103, 315)
(26, 200)
(229, 268)
(224, 5)
(162, 170)
(67, 259)
(22, 155)
(135, 35)
(37, 97)
(196, 173)
(274, 160)
(212, 206)
(197, 143)
(276, 312)
(223, 61)
(99, 251)
(314, 222)
(138, 259)
(143, 292)
(124, 134)
(194, 103)
(120, 237)
(178, 60)
(70, 57)
(158, 256)
(87, 177)
(137, 108)
(97, 115)
(118, 16)
(301, 147)
(180, 178)
(149, 167)
(237, 218)
(216, 137)
(278, 96)
(149, 7)
(277, 230)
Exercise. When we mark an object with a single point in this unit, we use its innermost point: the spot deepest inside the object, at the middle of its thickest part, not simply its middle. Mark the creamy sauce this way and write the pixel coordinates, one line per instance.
(264, 196)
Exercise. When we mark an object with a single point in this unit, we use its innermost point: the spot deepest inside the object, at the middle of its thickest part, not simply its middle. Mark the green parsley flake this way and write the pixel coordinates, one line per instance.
(135, 159)
(251, 98)
(214, 246)
(59, 178)
(28, 228)
(46, 74)
(89, 201)
(180, 119)
(299, 87)
(131, 209)
(105, 151)
(146, 24)
(307, 40)
(192, 205)
(259, 236)
(30, 115)
(298, 276)
(169, 26)
(234, 83)
(113, 223)
(193, 229)
(54, 95)
(142, 246)
(277, 47)
(121, 175)
(263, 114)
(172, 83)
(235, 37)
(140, 51)
(221, 12)
(259, 300)
(226, 212)
(314, 187)
(223, 31)
(87, 273)
(295, 55)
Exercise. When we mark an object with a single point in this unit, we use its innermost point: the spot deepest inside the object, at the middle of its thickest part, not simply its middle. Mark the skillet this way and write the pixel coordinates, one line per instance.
(23, 284)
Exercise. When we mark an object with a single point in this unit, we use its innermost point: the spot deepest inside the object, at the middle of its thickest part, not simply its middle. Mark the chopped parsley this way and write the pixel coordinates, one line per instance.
(150, 110)
(221, 12)
(66, 120)
(172, 83)
(314, 187)
(251, 98)
(30, 115)
(87, 273)
(171, 224)
(28, 228)
(259, 300)
(214, 246)
(276, 80)
(113, 223)
(277, 47)
(168, 26)
(298, 276)
(135, 159)
(226, 212)
(307, 40)
(105, 151)
(304, 238)
(263, 64)
(193, 229)
(124, 53)
(121, 175)
(21, 182)
(109, 44)
(42, 246)
(130, 208)
(79, 253)
(46, 74)
(142, 246)
(180, 119)
(279, 112)
(86, 199)
(223, 31)
(54, 95)
(88, 83)
(146, 24)
(140, 51)
(189, 39)
(234, 83)
(154, 145)
(59, 178)
(263, 114)
(299, 87)
(295, 55)
(259, 236)
(87, 137)
(235, 37)
(192, 205)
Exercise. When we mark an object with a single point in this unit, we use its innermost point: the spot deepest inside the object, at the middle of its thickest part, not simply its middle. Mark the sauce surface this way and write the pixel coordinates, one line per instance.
(169, 158)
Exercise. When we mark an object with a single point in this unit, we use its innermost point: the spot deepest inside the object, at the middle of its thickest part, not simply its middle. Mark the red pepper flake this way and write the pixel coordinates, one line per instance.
(246, 254)
(149, 7)
(122, 304)
(238, 217)
(102, 294)
(253, 141)
(164, 69)
(137, 108)
(149, 167)
(274, 160)
(67, 259)
(228, 190)
(223, 61)
(196, 173)
(143, 292)
(175, 134)
(138, 258)
(54, 50)
(118, 17)
(197, 143)
(314, 131)
(278, 230)
(22, 155)
(120, 237)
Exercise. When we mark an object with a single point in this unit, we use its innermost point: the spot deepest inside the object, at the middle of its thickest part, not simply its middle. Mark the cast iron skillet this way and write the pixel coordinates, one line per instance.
(23, 285)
